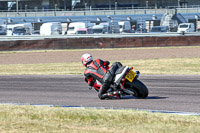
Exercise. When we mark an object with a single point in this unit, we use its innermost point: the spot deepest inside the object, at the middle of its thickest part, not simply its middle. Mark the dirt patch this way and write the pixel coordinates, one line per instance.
(74, 56)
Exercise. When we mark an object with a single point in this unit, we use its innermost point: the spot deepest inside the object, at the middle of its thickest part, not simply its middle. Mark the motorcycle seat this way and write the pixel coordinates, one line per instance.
(119, 70)
(119, 74)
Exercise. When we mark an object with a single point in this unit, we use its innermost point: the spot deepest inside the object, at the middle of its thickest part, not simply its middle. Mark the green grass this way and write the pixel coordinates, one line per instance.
(187, 66)
(68, 120)
(179, 66)
(41, 69)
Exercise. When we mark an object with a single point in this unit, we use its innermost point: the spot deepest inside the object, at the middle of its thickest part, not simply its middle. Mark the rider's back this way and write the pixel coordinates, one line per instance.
(96, 69)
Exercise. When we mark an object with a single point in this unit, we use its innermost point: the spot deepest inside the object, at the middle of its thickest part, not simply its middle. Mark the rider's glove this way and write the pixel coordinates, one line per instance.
(90, 83)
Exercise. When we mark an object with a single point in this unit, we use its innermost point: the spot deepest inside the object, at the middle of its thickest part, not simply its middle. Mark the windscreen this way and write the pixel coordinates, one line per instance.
(81, 32)
(184, 26)
(71, 28)
(19, 30)
(97, 30)
(156, 29)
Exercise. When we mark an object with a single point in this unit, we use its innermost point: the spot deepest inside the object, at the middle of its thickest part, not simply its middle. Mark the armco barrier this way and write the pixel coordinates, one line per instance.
(98, 12)
(103, 42)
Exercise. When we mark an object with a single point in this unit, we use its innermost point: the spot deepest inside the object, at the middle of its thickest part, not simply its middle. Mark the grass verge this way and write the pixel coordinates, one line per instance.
(55, 119)
(187, 66)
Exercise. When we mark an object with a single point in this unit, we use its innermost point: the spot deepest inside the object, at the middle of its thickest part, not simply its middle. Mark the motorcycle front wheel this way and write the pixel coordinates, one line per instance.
(139, 89)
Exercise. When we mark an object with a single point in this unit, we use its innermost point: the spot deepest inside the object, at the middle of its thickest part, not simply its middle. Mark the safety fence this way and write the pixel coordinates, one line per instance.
(99, 12)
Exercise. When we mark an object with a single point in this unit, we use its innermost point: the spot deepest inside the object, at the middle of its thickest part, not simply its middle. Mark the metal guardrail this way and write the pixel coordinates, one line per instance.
(83, 13)
(30, 37)
(99, 12)
(89, 8)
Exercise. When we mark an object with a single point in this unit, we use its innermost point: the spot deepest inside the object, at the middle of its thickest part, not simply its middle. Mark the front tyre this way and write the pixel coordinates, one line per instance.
(138, 88)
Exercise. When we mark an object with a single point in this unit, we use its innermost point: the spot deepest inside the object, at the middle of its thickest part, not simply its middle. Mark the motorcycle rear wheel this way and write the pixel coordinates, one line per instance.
(139, 89)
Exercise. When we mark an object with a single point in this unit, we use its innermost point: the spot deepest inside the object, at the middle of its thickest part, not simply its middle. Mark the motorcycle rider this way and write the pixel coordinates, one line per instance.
(97, 70)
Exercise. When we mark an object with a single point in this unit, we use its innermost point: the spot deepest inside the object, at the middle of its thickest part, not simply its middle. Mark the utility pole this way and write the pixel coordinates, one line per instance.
(109, 5)
(65, 8)
(17, 6)
(179, 4)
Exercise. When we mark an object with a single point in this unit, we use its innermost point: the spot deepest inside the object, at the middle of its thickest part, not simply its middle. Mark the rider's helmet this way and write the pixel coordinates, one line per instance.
(86, 58)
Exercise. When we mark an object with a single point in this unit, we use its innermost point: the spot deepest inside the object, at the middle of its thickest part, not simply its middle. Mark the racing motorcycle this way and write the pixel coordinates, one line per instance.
(126, 83)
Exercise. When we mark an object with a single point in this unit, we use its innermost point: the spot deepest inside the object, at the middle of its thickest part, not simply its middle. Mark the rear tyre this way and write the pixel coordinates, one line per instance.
(138, 88)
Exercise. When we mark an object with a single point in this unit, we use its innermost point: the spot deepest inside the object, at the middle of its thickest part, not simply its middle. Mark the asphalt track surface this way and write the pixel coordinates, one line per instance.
(171, 93)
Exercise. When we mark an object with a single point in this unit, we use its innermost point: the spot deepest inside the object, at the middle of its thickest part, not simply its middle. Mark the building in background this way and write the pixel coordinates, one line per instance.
(42, 5)
(35, 5)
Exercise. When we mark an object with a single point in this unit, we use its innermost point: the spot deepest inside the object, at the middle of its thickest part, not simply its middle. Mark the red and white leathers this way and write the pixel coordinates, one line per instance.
(98, 70)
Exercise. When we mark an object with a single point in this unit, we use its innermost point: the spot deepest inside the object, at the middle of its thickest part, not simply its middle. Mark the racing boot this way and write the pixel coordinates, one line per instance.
(117, 94)
(110, 95)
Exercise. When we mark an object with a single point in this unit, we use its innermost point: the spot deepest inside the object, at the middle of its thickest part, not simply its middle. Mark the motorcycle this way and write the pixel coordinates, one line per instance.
(125, 83)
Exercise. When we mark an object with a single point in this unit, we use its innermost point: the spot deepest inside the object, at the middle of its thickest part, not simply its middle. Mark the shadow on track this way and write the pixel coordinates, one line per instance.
(132, 97)
(156, 97)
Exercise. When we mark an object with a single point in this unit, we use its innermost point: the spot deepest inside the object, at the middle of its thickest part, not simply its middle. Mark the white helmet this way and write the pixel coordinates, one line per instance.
(86, 58)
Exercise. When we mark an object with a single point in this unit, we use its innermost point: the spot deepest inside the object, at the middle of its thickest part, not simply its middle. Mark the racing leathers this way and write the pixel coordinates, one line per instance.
(97, 70)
